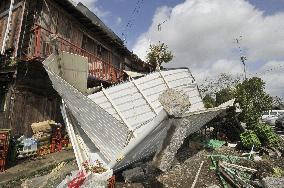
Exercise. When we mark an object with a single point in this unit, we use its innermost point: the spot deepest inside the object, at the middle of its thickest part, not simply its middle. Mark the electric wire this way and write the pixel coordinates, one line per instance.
(132, 19)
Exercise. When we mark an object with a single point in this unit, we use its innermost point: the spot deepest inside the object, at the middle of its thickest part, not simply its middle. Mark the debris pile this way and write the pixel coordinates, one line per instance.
(228, 171)
(49, 137)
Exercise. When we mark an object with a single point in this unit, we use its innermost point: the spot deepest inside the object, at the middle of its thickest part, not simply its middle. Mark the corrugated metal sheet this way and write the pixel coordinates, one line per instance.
(137, 100)
(107, 133)
(149, 143)
(152, 141)
(136, 104)
(73, 69)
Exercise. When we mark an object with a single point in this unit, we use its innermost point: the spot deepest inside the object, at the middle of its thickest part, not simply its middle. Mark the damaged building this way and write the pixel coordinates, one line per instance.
(60, 62)
(30, 31)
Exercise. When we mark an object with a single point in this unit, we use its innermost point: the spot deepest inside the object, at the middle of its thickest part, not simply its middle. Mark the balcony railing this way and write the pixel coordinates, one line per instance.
(45, 43)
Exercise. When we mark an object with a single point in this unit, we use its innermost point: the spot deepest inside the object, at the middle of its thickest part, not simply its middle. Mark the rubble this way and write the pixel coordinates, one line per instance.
(270, 182)
(175, 103)
(133, 175)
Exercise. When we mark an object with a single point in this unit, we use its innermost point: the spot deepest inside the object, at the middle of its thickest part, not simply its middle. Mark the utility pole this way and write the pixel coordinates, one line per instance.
(243, 58)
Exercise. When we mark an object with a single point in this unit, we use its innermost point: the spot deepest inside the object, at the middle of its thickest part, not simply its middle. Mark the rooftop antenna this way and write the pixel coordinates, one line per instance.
(160, 25)
(243, 58)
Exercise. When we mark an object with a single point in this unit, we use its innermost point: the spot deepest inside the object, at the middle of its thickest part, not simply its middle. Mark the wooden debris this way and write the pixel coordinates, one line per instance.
(44, 126)
(197, 175)
(238, 167)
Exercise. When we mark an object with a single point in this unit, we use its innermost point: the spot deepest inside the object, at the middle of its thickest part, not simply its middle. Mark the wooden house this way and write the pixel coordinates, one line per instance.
(30, 31)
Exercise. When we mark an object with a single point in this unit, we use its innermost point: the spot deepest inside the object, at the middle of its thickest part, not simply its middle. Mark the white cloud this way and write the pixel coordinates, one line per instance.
(92, 5)
(201, 34)
(272, 73)
(118, 20)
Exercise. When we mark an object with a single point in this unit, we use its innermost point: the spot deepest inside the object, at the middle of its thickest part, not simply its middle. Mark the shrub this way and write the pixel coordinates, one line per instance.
(250, 139)
(267, 135)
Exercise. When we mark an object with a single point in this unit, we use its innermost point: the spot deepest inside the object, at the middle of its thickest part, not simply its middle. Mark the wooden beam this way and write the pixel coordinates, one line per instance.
(5, 13)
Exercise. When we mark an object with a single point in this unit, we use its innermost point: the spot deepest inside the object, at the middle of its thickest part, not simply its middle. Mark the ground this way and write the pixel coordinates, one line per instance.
(14, 176)
(185, 168)
(50, 170)
(188, 161)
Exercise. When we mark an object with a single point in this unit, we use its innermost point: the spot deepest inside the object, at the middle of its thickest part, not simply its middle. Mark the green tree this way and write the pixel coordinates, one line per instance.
(159, 54)
(277, 103)
(253, 100)
(208, 101)
(216, 84)
(224, 95)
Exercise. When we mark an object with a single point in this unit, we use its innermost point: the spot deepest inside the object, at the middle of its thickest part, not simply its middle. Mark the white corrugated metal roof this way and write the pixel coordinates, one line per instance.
(109, 117)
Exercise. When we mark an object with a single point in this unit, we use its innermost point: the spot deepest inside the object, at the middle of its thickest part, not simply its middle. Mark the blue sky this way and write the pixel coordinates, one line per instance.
(269, 6)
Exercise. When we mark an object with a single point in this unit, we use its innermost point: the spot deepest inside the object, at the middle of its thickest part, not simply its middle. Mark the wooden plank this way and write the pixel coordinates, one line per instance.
(5, 13)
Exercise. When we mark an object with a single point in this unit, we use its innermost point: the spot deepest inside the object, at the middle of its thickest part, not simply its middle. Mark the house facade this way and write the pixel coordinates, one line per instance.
(30, 31)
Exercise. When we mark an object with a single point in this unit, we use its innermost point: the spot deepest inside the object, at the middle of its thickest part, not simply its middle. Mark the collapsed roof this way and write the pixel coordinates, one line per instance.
(127, 122)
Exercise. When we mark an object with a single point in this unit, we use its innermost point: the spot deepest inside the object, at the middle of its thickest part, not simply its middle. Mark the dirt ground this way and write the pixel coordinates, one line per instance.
(14, 176)
(184, 170)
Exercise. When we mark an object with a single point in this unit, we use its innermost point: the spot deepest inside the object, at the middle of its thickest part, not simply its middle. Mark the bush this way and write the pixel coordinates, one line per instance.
(267, 135)
(250, 139)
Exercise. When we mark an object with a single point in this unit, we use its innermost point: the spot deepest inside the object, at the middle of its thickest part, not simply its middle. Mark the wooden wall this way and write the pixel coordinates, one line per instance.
(57, 20)
(30, 99)
(26, 107)
(15, 22)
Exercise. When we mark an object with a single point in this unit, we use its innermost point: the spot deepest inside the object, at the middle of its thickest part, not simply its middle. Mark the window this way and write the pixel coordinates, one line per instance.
(265, 113)
(273, 113)
(99, 51)
(103, 53)
(281, 113)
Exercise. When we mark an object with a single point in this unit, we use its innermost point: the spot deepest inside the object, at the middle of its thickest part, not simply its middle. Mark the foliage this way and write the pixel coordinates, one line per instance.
(12, 62)
(277, 103)
(214, 144)
(159, 54)
(224, 95)
(212, 86)
(278, 172)
(267, 135)
(250, 139)
(253, 100)
(208, 101)
(228, 125)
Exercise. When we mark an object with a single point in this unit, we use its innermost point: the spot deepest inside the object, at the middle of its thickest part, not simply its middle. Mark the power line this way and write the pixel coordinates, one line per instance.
(132, 19)
(275, 68)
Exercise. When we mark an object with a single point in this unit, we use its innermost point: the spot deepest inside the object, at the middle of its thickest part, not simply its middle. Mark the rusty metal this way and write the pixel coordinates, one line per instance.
(98, 68)
(111, 182)
(56, 141)
(4, 146)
